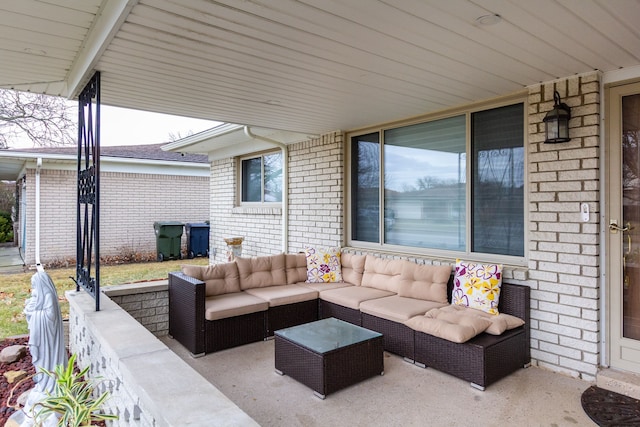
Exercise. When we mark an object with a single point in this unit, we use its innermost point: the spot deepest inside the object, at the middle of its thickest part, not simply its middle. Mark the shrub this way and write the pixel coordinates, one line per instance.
(6, 227)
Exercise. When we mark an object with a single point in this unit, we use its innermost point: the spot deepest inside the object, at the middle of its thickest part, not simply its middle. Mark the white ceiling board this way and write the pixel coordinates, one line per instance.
(308, 65)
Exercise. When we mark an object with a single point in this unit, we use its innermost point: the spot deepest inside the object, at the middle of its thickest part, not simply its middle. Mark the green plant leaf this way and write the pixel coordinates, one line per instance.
(73, 398)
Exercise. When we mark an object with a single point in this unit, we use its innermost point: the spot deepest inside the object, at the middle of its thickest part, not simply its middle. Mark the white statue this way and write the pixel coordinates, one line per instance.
(46, 342)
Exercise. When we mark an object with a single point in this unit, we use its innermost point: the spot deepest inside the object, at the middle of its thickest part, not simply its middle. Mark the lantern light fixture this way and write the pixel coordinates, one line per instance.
(556, 121)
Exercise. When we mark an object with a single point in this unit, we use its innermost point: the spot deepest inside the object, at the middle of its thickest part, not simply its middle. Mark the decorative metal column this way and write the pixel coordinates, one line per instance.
(88, 210)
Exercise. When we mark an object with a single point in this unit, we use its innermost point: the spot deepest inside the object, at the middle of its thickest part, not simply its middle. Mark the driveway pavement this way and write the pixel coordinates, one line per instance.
(10, 259)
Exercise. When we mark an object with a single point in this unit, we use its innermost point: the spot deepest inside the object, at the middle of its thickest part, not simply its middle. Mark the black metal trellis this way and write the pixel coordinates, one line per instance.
(88, 206)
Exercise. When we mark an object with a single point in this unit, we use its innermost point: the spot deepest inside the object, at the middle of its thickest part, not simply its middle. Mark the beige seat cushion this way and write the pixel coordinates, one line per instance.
(352, 268)
(219, 279)
(458, 329)
(320, 287)
(352, 296)
(296, 268)
(384, 274)
(426, 282)
(230, 305)
(285, 294)
(262, 271)
(396, 308)
(499, 323)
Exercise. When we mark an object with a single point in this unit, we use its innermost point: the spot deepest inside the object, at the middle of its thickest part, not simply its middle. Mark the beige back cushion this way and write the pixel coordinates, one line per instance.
(262, 271)
(425, 282)
(219, 279)
(384, 274)
(352, 268)
(296, 268)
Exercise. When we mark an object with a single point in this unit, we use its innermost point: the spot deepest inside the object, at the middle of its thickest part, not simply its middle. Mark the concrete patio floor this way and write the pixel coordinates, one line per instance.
(405, 395)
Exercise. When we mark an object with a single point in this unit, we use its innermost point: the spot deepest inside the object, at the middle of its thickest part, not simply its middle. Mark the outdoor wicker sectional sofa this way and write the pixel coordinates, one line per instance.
(226, 305)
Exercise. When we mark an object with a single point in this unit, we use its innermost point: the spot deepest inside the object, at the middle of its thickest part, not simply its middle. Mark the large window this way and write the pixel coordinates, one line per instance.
(261, 178)
(439, 185)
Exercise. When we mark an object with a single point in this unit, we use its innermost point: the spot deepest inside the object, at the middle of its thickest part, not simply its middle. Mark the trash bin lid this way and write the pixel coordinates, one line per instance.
(161, 223)
(196, 224)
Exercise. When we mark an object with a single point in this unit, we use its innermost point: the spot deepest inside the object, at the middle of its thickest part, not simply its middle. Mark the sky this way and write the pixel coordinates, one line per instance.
(120, 126)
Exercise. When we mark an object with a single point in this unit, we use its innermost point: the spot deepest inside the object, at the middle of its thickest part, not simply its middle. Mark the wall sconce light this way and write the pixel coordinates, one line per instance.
(556, 122)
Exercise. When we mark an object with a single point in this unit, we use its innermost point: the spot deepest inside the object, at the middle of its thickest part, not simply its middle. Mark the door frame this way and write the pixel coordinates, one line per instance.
(612, 210)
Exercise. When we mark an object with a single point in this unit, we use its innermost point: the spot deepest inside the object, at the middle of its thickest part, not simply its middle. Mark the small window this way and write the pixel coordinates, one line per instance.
(261, 178)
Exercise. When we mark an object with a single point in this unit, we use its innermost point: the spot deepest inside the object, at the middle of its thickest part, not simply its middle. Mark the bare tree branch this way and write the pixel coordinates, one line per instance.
(176, 136)
(48, 121)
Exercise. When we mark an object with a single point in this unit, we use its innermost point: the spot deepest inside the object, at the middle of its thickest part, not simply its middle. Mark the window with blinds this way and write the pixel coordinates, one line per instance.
(452, 184)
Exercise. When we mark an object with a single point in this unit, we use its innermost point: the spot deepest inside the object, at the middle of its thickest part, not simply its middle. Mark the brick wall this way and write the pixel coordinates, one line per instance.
(148, 303)
(564, 264)
(130, 203)
(316, 189)
(57, 215)
(140, 373)
(316, 202)
(260, 227)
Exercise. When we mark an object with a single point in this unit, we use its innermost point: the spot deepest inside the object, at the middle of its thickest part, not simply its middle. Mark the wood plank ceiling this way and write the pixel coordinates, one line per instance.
(308, 65)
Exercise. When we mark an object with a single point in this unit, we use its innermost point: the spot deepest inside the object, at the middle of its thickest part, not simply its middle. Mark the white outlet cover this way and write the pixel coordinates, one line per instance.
(584, 210)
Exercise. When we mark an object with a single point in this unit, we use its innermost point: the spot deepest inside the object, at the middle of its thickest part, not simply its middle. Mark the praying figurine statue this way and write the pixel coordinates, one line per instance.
(46, 343)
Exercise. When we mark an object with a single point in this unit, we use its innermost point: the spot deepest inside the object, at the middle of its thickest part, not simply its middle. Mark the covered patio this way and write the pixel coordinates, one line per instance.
(314, 79)
(239, 386)
(406, 395)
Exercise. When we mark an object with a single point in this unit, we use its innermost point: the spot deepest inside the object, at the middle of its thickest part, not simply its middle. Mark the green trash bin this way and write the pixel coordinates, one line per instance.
(168, 239)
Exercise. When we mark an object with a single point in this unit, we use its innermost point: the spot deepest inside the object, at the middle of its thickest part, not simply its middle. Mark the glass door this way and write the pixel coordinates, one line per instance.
(624, 226)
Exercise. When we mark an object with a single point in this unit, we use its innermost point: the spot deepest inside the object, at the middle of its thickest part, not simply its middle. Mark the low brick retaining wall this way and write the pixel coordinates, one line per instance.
(149, 385)
(147, 302)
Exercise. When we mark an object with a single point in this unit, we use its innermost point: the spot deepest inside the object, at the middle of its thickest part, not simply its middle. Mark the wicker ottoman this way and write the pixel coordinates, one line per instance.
(328, 355)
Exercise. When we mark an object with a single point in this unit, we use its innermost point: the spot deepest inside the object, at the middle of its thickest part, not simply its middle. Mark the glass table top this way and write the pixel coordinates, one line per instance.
(326, 335)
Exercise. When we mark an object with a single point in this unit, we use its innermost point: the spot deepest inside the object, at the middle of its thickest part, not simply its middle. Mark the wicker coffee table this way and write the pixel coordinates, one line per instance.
(328, 355)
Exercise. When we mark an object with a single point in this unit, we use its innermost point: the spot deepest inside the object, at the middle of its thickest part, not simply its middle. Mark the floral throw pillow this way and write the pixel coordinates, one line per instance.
(323, 265)
(477, 286)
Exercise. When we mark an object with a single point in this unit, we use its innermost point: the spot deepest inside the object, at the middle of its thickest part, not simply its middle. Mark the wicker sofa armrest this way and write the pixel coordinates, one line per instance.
(186, 311)
(515, 300)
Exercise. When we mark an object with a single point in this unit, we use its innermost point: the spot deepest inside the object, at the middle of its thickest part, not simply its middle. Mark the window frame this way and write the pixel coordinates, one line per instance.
(468, 110)
(262, 203)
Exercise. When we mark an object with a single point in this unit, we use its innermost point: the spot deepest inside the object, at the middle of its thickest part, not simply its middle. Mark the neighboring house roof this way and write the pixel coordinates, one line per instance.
(127, 158)
(143, 152)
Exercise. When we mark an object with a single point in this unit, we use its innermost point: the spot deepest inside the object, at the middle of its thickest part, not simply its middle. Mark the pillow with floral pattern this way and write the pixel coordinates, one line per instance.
(323, 265)
(477, 285)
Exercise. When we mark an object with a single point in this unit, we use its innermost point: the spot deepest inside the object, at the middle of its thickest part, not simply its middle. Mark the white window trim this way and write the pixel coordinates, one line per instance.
(254, 205)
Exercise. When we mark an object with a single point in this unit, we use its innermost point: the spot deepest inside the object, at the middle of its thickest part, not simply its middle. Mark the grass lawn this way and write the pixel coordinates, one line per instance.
(16, 288)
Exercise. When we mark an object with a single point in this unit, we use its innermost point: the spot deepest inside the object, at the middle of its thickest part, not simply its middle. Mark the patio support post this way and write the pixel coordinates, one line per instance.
(88, 203)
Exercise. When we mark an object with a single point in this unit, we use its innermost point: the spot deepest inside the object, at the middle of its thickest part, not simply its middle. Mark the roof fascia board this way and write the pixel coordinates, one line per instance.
(109, 19)
(203, 136)
(118, 165)
(103, 159)
(212, 143)
(182, 169)
(253, 146)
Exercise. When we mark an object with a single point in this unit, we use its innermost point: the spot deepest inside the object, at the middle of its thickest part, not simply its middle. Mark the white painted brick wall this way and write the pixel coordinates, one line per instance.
(130, 204)
(119, 351)
(315, 203)
(564, 249)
